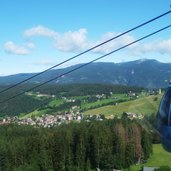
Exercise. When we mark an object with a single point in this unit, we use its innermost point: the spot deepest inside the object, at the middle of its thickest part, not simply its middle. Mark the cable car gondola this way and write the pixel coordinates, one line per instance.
(164, 119)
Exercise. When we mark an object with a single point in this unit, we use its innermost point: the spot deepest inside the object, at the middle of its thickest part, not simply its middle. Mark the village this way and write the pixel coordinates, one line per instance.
(49, 120)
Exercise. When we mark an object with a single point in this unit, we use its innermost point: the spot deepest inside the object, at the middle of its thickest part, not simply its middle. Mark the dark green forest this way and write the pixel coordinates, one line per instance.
(81, 146)
(86, 89)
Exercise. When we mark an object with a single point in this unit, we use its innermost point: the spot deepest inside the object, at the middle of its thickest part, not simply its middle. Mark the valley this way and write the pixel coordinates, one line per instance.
(94, 102)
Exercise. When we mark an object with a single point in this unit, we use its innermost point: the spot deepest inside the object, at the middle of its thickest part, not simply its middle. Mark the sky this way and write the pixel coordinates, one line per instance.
(37, 34)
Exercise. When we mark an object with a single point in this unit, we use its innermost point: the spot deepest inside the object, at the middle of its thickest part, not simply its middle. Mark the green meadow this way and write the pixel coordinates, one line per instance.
(160, 157)
(144, 105)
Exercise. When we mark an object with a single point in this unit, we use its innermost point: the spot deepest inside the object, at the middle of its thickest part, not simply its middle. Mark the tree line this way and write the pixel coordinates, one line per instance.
(87, 89)
(81, 146)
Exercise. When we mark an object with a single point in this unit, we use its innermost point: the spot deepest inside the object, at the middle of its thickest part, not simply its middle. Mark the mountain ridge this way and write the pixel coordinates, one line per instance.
(147, 73)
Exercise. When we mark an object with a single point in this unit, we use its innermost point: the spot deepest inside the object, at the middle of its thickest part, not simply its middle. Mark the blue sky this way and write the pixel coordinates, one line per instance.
(37, 34)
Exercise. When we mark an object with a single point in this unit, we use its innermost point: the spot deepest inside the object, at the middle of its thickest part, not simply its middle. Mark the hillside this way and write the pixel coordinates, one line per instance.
(142, 73)
(155, 160)
(50, 98)
(146, 106)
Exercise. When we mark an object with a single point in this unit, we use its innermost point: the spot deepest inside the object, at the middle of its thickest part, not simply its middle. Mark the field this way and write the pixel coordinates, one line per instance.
(159, 158)
(144, 105)
(115, 98)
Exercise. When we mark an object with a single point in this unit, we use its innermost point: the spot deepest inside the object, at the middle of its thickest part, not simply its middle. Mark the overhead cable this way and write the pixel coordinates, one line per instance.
(88, 63)
(88, 50)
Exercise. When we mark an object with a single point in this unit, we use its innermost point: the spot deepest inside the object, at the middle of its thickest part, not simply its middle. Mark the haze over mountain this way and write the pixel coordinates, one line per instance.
(144, 73)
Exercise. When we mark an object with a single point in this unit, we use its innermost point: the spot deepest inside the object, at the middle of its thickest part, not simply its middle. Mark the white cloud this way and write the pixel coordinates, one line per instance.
(162, 47)
(76, 41)
(30, 45)
(72, 41)
(12, 48)
(40, 31)
(117, 43)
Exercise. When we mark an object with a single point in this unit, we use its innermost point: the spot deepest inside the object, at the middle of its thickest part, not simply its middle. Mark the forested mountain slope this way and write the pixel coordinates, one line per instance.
(144, 73)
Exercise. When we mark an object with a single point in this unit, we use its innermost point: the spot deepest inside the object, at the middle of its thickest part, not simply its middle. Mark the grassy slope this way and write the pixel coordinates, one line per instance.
(36, 113)
(159, 158)
(145, 105)
(56, 102)
(53, 103)
(114, 98)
